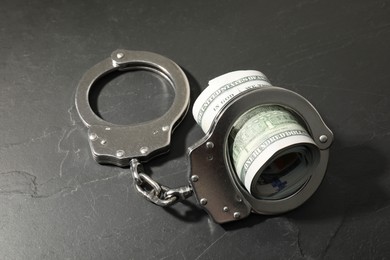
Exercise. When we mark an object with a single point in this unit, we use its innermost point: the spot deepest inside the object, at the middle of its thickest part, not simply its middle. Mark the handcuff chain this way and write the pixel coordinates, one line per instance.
(153, 191)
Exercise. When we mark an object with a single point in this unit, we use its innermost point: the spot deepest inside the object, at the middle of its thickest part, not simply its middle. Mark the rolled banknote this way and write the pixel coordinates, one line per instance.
(223, 89)
(270, 149)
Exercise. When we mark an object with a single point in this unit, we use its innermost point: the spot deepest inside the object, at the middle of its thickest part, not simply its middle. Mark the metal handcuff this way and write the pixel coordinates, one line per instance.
(211, 175)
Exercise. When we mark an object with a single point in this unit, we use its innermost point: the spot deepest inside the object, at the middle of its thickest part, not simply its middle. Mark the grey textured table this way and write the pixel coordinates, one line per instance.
(56, 202)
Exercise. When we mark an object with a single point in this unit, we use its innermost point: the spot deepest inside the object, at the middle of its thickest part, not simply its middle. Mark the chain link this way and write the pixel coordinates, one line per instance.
(153, 191)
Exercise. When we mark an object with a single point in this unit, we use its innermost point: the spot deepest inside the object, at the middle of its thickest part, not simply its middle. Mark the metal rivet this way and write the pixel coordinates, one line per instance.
(323, 138)
(144, 150)
(194, 178)
(93, 136)
(210, 157)
(165, 128)
(108, 128)
(238, 198)
(236, 215)
(203, 201)
(225, 209)
(103, 142)
(120, 55)
(209, 145)
(120, 153)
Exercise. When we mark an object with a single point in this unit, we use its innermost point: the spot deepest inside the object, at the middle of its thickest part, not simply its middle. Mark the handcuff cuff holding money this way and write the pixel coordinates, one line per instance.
(265, 148)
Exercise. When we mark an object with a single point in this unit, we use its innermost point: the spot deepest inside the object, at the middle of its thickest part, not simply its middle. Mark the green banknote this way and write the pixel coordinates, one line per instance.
(265, 134)
(270, 150)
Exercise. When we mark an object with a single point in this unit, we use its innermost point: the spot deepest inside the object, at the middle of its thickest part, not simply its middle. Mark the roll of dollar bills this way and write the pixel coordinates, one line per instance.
(270, 149)
(223, 89)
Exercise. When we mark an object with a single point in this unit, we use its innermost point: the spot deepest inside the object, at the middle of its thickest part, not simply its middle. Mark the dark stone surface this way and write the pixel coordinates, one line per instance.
(56, 202)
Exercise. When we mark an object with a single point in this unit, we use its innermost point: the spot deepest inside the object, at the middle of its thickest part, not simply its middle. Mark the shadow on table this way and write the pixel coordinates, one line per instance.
(187, 211)
(351, 187)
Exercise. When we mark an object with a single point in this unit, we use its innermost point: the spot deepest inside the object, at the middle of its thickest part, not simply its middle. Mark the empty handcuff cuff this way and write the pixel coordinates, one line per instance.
(211, 175)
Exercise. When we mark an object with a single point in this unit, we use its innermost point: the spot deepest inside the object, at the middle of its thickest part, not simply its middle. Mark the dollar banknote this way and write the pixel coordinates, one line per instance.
(223, 89)
(269, 148)
(270, 151)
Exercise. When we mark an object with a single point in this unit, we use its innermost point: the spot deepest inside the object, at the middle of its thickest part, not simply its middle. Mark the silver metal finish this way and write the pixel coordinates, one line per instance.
(194, 178)
(236, 215)
(132, 139)
(217, 179)
(323, 138)
(144, 150)
(211, 173)
(120, 153)
(92, 136)
(155, 192)
(117, 144)
(210, 145)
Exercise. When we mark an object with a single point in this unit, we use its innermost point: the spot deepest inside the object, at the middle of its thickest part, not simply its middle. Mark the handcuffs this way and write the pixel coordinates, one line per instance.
(211, 176)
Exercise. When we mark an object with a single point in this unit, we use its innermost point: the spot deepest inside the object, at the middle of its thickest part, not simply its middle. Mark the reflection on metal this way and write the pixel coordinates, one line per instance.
(217, 180)
(142, 141)
(128, 145)
(212, 175)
